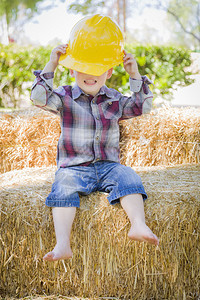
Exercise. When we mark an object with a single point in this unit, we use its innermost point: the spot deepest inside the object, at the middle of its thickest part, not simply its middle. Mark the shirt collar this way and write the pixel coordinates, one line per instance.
(104, 90)
(76, 92)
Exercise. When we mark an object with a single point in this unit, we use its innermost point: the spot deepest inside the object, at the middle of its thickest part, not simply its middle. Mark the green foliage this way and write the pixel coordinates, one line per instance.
(10, 8)
(86, 7)
(16, 72)
(165, 66)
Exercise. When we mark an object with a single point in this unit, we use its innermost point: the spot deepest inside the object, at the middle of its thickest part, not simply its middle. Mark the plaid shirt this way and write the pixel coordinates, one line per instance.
(89, 125)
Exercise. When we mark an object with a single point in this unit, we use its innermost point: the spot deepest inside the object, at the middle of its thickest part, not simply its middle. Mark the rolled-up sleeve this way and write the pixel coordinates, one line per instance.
(140, 102)
(42, 93)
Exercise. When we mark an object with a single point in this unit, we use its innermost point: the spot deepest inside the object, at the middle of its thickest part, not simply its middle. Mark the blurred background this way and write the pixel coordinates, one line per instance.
(164, 36)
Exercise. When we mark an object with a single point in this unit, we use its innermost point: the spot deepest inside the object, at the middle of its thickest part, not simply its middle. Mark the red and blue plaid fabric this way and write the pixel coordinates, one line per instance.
(89, 125)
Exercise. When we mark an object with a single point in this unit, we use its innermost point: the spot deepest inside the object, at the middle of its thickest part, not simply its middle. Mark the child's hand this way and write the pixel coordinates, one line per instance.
(130, 65)
(56, 52)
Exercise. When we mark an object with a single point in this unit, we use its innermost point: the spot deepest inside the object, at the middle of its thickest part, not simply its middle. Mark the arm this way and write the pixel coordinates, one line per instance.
(131, 67)
(141, 100)
(42, 94)
(54, 59)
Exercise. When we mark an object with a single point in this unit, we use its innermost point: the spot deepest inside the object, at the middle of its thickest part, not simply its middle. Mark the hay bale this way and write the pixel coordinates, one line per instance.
(28, 139)
(165, 137)
(105, 262)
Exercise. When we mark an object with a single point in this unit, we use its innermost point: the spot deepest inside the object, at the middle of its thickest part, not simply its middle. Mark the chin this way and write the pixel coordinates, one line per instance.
(91, 91)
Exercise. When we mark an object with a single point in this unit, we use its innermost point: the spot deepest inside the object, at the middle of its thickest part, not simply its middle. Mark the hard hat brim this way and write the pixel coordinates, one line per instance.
(85, 67)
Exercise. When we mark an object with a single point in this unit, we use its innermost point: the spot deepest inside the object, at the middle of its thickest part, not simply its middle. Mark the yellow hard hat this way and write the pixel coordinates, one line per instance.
(95, 45)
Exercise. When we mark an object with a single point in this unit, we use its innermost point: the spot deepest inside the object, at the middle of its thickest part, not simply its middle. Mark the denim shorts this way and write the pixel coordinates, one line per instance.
(105, 176)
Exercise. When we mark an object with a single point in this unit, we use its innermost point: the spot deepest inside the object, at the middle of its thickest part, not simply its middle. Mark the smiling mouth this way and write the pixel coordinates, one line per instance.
(90, 82)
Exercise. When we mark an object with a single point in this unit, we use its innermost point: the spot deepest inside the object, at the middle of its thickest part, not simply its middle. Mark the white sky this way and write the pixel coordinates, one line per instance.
(51, 24)
(56, 23)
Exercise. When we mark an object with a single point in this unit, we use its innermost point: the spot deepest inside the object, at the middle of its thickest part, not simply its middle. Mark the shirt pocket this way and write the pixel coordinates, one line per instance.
(111, 109)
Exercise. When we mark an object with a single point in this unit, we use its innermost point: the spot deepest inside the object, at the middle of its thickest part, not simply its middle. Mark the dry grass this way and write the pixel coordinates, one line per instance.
(61, 297)
(53, 297)
(105, 262)
(28, 140)
(166, 137)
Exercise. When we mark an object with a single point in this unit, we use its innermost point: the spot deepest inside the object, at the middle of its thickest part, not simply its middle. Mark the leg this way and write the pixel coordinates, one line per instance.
(134, 207)
(63, 218)
(64, 198)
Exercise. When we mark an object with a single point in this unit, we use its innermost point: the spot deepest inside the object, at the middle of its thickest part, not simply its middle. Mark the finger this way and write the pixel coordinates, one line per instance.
(129, 61)
(125, 54)
(63, 45)
(128, 57)
(61, 49)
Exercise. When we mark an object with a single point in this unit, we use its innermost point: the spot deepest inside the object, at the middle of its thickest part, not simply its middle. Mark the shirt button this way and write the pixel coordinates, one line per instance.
(109, 103)
(97, 118)
(93, 101)
(97, 138)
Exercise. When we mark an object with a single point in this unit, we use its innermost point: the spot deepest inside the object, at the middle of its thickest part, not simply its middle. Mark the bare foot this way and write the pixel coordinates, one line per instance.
(141, 232)
(59, 252)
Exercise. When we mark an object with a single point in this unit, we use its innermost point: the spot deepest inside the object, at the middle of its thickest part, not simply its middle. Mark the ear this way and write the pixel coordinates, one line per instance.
(109, 74)
(71, 72)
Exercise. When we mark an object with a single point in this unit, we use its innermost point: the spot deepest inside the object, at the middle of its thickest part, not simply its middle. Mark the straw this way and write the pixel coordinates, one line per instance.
(105, 262)
(165, 137)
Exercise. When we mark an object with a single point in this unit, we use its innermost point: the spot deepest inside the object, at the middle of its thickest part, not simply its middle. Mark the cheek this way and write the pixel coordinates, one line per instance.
(102, 80)
(78, 79)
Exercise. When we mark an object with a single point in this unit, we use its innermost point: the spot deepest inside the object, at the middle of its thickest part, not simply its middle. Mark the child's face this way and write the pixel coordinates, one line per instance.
(90, 84)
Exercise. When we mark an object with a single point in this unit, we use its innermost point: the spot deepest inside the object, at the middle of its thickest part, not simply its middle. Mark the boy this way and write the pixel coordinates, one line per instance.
(88, 149)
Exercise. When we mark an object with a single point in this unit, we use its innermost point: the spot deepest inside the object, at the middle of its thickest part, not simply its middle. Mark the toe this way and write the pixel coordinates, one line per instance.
(49, 256)
(152, 239)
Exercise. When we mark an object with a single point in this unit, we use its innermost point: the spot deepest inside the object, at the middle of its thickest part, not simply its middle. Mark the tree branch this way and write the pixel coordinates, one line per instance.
(198, 15)
(159, 5)
(182, 26)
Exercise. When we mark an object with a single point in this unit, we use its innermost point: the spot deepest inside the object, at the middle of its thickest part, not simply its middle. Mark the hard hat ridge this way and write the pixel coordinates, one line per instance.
(95, 45)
